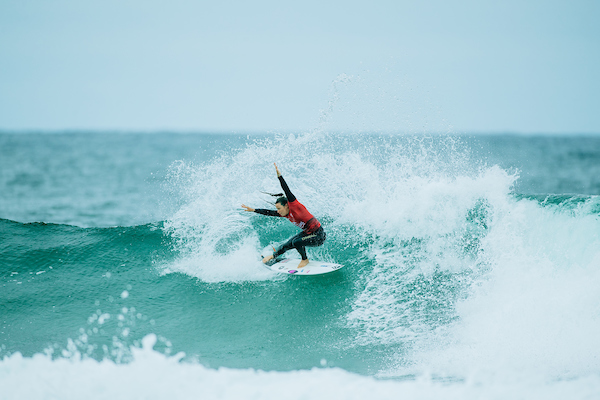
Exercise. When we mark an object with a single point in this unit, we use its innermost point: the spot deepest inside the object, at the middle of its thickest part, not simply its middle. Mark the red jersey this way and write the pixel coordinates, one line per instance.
(300, 217)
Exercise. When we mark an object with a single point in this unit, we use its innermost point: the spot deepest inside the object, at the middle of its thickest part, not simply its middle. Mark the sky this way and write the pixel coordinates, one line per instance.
(268, 66)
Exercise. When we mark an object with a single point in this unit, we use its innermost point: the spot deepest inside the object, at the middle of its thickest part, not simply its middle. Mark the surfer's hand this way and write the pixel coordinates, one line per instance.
(246, 208)
(277, 169)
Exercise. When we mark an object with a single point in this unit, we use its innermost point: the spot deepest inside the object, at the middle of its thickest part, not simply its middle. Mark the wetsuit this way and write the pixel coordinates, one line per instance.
(312, 232)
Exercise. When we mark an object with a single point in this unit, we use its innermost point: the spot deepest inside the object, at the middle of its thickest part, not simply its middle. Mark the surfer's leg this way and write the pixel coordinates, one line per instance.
(315, 239)
(299, 245)
(290, 244)
(303, 240)
(300, 241)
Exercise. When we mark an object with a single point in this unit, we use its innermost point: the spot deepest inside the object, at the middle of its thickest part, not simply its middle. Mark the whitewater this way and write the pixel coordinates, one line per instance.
(129, 270)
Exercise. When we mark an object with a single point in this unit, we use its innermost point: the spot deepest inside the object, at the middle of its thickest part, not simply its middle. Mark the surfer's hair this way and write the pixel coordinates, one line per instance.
(281, 199)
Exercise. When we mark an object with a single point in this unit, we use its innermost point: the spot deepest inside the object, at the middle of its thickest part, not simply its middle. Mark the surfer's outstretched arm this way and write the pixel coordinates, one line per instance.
(271, 213)
(246, 208)
(288, 194)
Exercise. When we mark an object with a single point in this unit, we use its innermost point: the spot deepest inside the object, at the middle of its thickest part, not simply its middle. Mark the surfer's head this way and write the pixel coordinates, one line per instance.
(282, 206)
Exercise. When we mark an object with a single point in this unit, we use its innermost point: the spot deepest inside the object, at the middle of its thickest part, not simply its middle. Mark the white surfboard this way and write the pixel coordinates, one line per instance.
(290, 265)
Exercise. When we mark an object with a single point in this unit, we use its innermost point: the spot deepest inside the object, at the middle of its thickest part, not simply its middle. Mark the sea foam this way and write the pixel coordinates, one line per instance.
(152, 375)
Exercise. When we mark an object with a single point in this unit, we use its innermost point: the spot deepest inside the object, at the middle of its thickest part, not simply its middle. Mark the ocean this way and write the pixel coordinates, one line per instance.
(129, 270)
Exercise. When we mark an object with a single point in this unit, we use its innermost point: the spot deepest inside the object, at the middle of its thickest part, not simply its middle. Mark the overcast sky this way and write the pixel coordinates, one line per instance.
(419, 66)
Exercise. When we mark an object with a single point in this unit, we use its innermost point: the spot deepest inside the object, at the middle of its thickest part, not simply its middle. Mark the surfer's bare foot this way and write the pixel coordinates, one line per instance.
(267, 259)
(303, 263)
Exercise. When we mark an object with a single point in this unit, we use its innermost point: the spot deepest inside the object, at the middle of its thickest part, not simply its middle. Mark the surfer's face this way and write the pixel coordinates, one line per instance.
(282, 210)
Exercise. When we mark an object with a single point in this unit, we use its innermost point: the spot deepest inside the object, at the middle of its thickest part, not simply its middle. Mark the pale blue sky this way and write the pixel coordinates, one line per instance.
(421, 66)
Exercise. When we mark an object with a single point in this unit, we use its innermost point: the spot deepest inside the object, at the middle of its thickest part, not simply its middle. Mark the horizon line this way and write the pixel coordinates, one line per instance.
(269, 132)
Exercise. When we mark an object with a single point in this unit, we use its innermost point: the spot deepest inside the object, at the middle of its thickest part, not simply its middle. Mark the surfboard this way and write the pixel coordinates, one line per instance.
(284, 265)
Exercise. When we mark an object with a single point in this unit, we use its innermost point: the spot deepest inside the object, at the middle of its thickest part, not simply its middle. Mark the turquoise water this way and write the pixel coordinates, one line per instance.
(471, 265)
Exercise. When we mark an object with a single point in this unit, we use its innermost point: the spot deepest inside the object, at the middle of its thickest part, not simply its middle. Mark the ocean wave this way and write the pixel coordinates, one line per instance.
(449, 274)
(30, 246)
(146, 374)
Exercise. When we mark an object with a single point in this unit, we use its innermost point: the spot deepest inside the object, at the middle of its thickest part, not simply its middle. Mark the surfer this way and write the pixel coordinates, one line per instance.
(289, 207)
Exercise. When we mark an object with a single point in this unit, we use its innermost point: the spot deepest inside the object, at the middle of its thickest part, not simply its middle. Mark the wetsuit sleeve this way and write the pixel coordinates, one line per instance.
(290, 197)
(271, 213)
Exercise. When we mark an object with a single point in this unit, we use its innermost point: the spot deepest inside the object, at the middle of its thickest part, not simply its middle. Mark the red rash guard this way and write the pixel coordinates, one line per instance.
(300, 217)
(298, 214)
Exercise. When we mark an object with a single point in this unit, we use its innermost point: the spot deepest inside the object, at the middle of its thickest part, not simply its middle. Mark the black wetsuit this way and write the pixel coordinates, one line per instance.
(312, 233)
